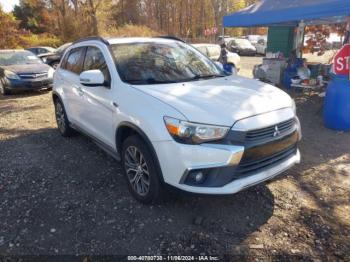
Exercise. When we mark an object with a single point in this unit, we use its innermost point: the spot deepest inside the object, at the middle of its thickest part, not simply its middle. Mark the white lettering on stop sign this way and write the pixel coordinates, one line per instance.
(347, 58)
(339, 66)
(341, 62)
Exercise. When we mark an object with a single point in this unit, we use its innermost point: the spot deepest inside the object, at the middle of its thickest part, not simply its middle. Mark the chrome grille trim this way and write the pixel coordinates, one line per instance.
(261, 135)
(33, 76)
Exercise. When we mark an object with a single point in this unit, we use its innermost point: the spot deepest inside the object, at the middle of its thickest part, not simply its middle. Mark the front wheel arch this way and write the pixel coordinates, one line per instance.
(126, 129)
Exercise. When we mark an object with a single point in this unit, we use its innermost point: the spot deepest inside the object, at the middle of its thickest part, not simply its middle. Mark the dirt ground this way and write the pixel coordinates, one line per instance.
(66, 196)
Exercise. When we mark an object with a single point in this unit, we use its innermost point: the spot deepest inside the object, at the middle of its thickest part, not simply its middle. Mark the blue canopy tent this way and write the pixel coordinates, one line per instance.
(286, 16)
(289, 12)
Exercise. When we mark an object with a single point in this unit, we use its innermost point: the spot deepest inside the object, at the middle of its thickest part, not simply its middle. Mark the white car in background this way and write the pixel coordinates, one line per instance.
(213, 52)
(172, 117)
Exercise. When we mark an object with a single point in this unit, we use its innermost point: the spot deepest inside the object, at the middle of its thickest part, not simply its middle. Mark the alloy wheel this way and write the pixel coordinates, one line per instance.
(137, 170)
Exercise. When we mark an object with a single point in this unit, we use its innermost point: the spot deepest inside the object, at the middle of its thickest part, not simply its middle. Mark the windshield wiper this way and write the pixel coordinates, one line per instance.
(197, 77)
(149, 81)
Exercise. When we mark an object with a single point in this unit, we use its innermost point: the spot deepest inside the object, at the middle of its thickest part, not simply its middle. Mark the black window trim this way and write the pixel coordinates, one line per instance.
(82, 59)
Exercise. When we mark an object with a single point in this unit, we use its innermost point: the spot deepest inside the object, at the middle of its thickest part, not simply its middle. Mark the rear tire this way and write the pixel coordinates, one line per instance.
(140, 171)
(62, 120)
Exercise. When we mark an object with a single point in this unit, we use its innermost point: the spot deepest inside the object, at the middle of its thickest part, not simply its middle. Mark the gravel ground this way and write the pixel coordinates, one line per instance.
(66, 196)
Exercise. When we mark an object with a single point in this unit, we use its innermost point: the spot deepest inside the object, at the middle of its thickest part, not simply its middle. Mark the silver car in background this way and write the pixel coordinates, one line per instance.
(213, 52)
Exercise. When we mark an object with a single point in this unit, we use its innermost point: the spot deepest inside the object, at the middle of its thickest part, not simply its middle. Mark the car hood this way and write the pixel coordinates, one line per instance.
(27, 69)
(220, 101)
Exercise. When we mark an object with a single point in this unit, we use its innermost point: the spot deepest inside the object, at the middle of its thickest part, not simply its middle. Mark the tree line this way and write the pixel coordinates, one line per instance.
(53, 22)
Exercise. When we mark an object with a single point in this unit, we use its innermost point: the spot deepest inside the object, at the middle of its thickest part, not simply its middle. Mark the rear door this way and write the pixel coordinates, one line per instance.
(68, 75)
(97, 115)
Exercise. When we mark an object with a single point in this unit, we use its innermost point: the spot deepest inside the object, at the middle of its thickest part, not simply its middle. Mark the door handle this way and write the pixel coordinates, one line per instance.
(80, 91)
(115, 104)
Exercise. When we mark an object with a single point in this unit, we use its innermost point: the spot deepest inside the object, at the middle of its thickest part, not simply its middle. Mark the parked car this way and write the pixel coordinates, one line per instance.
(213, 52)
(253, 39)
(172, 117)
(241, 47)
(22, 70)
(53, 59)
(224, 38)
(41, 51)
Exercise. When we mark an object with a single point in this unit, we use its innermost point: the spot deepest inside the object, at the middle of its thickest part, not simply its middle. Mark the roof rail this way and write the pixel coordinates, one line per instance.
(171, 37)
(96, 38)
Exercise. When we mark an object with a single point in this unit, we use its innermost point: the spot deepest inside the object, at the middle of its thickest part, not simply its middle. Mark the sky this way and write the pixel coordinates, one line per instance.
(7, 5)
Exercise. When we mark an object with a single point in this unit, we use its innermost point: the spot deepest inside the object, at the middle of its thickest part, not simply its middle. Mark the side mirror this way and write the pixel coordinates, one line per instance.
(92, 78)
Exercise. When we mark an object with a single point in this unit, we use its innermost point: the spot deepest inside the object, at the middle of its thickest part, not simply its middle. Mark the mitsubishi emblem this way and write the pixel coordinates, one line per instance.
(277, 132)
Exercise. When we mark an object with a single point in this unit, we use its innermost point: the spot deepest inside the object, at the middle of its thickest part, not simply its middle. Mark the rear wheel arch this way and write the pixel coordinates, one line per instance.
(55, 96)
(126, 129)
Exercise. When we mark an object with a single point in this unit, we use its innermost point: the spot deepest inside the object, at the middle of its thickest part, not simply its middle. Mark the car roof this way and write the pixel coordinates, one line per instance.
(122, 40)
(127, 40)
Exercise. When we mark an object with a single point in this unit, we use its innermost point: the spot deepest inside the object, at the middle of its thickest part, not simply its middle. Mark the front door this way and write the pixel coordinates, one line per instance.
(68, 77)
(98, 111)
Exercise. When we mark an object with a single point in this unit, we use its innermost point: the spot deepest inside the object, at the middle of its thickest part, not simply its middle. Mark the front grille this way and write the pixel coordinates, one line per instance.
(33, 75)
(249, 167)
(263, 134)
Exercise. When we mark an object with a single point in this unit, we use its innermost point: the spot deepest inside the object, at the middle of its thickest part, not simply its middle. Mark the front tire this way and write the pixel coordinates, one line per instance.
(140, 171)
(62, 120)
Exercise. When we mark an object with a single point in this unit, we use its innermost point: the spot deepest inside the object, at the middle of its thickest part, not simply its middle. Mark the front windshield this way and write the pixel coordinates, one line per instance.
(18, 58)
(156, 63)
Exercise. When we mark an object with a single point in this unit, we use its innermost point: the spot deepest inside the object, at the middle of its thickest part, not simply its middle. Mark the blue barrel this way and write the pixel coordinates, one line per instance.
(337, 104)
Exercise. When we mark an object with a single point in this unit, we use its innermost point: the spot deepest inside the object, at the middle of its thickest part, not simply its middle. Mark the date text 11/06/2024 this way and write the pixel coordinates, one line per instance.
(173, 258)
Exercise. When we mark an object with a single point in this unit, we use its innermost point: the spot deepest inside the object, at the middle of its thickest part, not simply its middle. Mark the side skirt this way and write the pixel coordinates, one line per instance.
(108, 149)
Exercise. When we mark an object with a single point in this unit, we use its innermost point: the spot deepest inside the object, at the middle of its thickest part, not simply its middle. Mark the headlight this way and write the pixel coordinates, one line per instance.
(294, 107)
(50, 73)
(193, 133)
(11, 75)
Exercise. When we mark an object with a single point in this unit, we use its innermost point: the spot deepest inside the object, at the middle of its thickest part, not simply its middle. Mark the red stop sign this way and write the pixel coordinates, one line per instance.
(341, 62)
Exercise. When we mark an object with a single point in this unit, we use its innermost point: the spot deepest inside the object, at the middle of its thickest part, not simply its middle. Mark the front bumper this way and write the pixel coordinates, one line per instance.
(28, 84)
(229, 167)
(177, 159)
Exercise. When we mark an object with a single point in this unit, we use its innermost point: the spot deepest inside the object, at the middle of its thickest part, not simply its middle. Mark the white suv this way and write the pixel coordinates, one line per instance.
(172, 117)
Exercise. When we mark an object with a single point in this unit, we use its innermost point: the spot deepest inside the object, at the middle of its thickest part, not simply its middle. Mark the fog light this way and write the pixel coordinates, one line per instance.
(198, 177)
